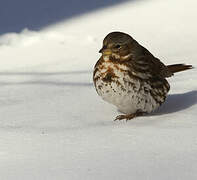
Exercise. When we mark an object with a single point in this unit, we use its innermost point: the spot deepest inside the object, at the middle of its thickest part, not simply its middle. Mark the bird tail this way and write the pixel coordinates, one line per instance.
(179, 67)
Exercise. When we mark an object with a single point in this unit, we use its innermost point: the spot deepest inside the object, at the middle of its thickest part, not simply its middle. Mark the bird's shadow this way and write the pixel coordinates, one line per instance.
(177, 102)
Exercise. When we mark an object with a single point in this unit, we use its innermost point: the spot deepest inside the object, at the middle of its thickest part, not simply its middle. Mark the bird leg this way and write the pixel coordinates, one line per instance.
(129, 116)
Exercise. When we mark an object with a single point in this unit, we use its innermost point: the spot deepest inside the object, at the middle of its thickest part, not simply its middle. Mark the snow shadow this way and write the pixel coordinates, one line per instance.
(40, 73)
(45, 78)
(178, 102)
(36, 14)
(47, 82)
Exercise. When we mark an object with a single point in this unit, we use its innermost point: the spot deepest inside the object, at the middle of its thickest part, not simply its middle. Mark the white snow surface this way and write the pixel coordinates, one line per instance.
(54, 126)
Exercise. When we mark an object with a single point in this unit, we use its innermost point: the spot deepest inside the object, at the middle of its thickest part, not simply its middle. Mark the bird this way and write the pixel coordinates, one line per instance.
(128, 76)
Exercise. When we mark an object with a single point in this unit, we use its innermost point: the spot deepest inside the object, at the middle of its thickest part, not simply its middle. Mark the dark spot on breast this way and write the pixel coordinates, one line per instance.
(146, 90)
(123, 89)
(96, 79)
(100, 87)
(134, 88)
(108, 77)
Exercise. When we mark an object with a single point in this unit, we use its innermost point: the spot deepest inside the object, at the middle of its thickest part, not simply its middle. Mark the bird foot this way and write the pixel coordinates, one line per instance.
(128, 116)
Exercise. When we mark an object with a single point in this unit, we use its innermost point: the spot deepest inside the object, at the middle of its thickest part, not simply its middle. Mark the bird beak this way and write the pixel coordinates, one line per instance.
(105, 51)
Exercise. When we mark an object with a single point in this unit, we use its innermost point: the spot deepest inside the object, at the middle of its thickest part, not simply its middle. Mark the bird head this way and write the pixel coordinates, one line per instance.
(118, 45)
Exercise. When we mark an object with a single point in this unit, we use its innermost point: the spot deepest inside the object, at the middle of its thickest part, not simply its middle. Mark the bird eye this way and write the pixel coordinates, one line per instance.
(117, 46)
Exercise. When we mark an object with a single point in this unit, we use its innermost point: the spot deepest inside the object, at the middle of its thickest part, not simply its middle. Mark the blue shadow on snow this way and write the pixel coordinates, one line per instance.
(15, 15)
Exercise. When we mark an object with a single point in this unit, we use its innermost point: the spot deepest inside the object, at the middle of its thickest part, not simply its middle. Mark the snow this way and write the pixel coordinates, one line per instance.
(54, 126)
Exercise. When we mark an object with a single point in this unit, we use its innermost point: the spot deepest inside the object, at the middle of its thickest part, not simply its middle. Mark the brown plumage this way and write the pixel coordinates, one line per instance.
(130, 77)
(178, 67)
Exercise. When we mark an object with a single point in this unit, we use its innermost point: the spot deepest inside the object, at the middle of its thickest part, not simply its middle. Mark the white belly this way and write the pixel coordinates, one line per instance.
(129, 97)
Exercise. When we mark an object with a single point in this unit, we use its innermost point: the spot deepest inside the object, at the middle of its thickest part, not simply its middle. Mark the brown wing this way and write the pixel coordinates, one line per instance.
(156, 67)
(147, 63)
(151, 66)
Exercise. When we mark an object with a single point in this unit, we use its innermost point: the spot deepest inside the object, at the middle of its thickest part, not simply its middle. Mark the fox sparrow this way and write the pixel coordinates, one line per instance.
(128, 76)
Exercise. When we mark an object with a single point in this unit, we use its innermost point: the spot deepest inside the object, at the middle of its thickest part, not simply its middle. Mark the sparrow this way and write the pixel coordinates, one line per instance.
(128, 76)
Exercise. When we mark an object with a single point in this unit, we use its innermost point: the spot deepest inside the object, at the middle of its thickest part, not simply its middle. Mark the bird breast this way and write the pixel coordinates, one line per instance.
(114, 84)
